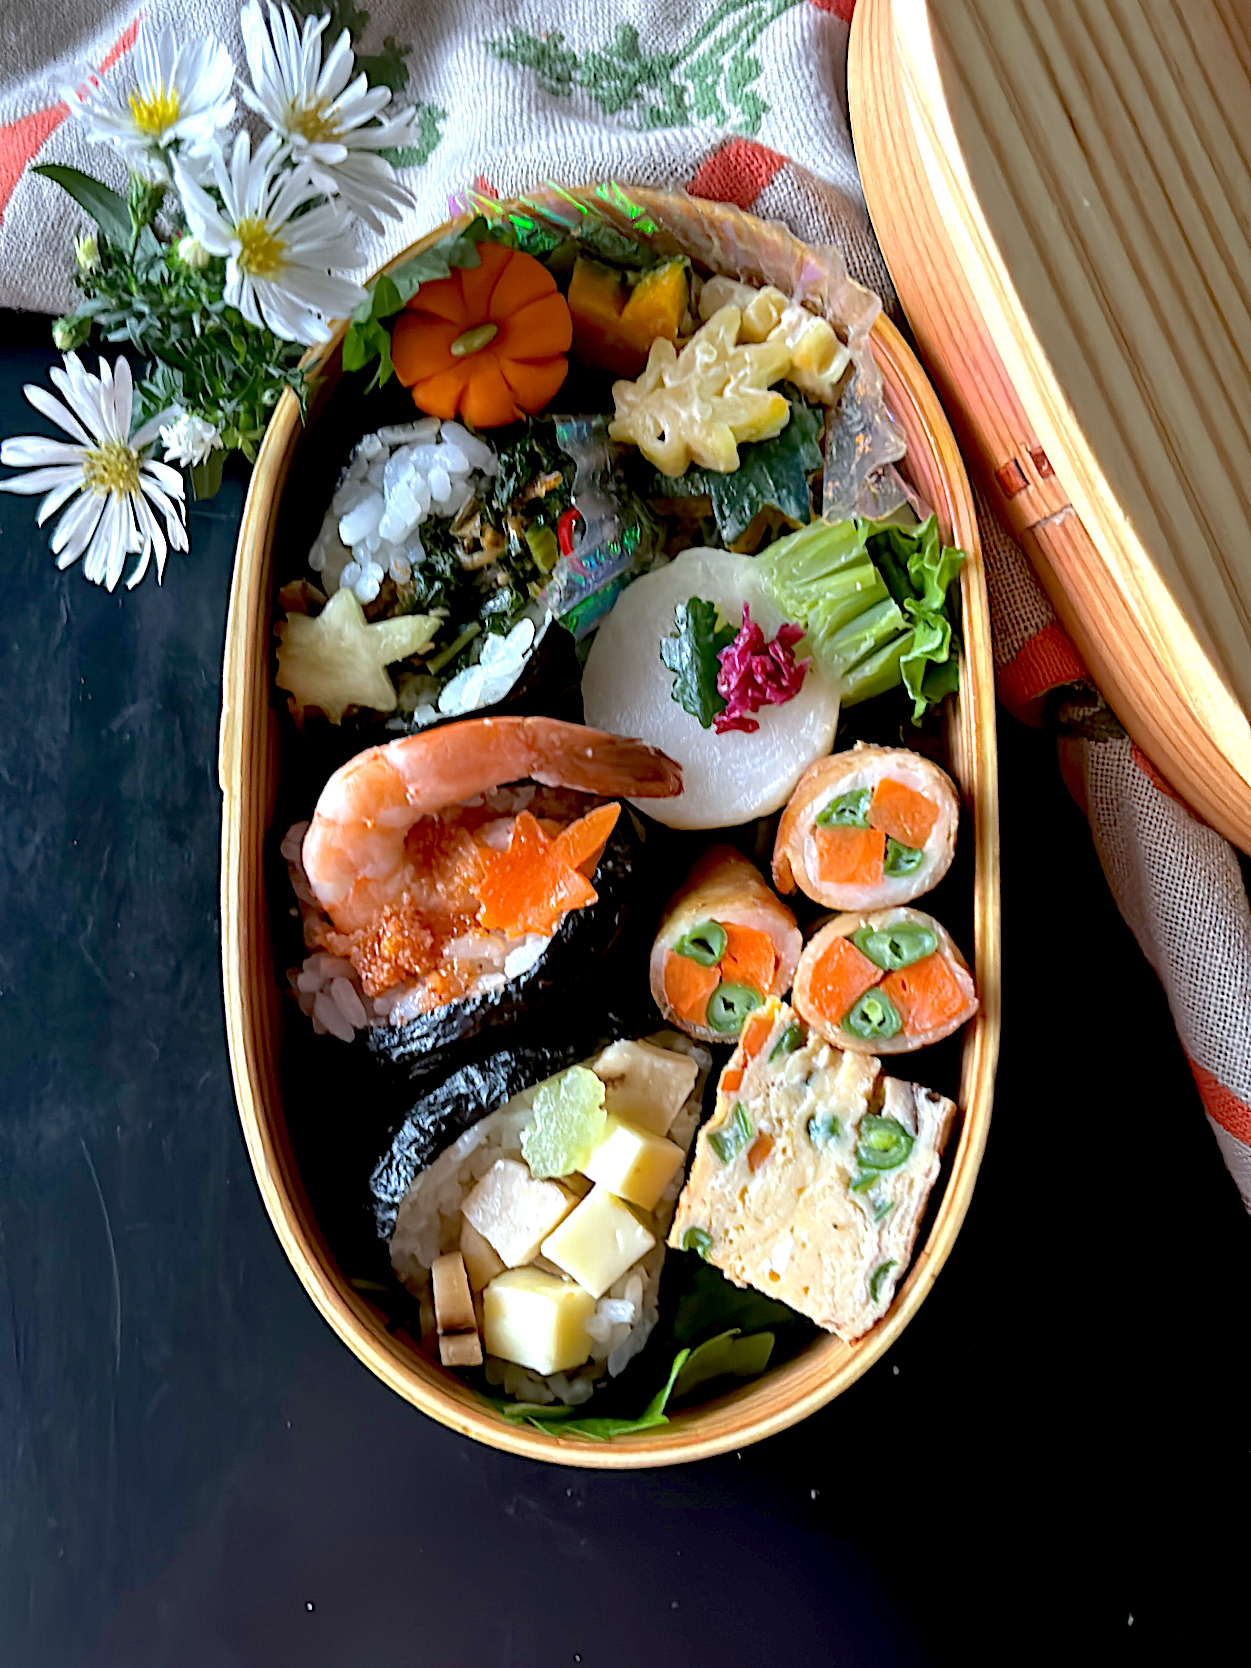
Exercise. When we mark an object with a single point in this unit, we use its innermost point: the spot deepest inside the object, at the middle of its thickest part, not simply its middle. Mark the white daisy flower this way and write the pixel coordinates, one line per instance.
(188, 439)
(331, 126)
(162, 94)
(116, 484)
(280, 270)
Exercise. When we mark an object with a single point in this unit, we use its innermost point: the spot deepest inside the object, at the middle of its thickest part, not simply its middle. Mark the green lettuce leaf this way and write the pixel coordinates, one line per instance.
(692, 656)
(872, 597)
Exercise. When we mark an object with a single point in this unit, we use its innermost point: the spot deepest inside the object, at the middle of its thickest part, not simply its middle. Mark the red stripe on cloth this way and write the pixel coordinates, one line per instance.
(1045, 662)
(1222, 1105)
(1157, 781)
(737, 173)
(840, 8)
(21, 141)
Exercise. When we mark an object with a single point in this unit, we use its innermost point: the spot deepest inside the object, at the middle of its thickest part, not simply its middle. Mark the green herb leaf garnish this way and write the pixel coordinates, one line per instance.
(876, 1278)
(726, 1356)
(704, 944)
(692, 656)
(730, 1140)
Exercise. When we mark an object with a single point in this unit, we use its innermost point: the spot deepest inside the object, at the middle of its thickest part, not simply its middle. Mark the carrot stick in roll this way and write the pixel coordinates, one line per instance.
(725, 945)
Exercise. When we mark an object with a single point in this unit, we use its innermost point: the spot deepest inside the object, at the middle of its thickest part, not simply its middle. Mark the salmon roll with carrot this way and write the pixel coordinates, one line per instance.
(884, 983)
(725, 945)
(866, 829)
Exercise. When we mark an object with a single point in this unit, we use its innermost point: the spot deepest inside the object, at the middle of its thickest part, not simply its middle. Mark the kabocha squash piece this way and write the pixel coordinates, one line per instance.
(616, 319)
(488, 343)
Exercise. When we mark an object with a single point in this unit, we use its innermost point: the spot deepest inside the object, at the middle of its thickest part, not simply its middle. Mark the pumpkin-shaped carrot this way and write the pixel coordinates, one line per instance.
(488, 342)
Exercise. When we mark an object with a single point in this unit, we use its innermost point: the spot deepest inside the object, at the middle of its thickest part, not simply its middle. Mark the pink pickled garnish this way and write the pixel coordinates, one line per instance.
(757, 674)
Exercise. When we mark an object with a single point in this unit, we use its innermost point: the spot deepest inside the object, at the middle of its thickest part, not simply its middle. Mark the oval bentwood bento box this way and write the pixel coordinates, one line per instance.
(256, 903)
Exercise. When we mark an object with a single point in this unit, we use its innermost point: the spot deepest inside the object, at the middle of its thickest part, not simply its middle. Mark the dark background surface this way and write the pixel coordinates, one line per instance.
(195, 1471)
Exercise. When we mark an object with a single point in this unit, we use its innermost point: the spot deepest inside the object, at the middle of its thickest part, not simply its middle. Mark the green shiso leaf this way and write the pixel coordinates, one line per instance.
(872, 598)
(728, 1355)
(692, 656)
(771, 474)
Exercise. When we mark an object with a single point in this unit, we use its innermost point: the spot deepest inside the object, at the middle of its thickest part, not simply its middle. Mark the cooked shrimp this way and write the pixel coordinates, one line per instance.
(355, 852)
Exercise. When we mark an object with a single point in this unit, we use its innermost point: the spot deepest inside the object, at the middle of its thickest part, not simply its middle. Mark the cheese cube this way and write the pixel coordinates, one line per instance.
(644, 1083)
(633, 1163)
(513, 1212)
(537, 1320)
(481, 1262)
(597, 1242)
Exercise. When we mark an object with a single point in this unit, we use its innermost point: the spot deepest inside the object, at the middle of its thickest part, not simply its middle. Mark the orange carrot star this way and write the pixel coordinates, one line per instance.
(538, 880)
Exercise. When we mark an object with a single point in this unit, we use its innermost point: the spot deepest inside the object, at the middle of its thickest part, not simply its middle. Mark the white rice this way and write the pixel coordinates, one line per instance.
(428, 1224)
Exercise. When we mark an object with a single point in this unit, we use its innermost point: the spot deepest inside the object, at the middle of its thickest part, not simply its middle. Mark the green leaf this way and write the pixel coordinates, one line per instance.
(563, 1422)
(386, 68)
(728, 1355)
(105, 207)
(692, 656)
(206, 477)
(707, 1305)
(771, 474)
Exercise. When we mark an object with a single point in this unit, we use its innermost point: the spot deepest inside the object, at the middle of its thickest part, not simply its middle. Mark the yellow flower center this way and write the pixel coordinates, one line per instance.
(311, 122)
(112, 467)
(154, 109)
(262, 253)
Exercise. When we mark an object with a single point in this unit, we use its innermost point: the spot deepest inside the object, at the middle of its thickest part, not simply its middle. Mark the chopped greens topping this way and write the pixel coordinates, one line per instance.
(569, 1119)
(698, 1240)
(729, 1141)
(729, 1006)
(891, 948)
(901, 859)
(874, 1015)
(849, 810)
(823, 1129)
(878, 1276)
(792, 1038)
(693, 656)
(704, 944)
(882, 1143)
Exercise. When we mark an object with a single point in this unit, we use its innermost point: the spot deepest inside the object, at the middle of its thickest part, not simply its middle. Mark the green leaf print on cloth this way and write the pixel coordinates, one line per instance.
(709, 79)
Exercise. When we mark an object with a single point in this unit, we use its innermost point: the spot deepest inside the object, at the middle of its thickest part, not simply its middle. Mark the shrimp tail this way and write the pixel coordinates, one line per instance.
(594, 761)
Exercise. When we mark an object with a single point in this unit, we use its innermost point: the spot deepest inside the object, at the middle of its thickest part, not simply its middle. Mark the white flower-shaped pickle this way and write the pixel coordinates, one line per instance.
(281, 265)
(161, 94)
(105, 465)
(330, 121)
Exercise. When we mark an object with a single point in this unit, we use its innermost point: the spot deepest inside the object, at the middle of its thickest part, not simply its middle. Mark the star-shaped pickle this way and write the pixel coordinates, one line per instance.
(533, 885)
(339, 660)
(695, 406)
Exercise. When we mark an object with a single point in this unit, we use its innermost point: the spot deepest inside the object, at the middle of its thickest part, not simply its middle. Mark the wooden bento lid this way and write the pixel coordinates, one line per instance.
(1063, 195)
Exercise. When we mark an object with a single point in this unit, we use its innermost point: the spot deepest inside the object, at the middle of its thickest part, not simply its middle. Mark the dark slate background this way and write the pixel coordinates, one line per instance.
(194, 1471)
